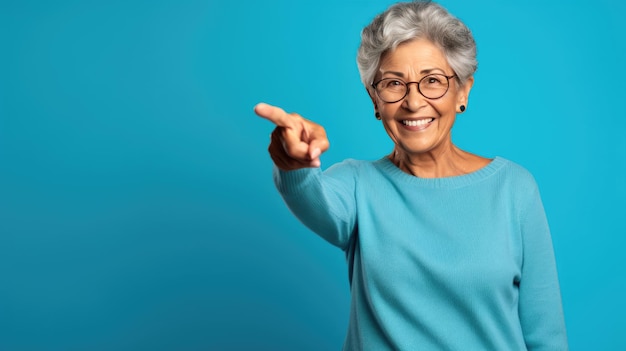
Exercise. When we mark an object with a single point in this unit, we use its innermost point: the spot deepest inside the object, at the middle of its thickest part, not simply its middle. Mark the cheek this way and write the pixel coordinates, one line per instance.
(446, 107)
(388, 110)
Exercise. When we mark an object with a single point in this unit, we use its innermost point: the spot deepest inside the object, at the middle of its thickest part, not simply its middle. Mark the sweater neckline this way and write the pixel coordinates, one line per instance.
(492, 167)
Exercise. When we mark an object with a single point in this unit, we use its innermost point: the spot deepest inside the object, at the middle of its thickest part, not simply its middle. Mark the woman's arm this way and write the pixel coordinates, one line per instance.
(540, 307)
(324, 202)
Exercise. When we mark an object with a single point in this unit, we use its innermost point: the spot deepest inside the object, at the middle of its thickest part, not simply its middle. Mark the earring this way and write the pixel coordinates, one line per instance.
(462, 108)
(377, 114)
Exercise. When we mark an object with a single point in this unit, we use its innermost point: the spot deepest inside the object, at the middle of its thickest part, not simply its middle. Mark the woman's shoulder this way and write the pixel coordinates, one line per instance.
(514, 167)
(352, 164)
(517, 175)
(352, 169)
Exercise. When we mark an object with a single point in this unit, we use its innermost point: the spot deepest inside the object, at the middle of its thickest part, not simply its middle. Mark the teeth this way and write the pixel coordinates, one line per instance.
(419, 122)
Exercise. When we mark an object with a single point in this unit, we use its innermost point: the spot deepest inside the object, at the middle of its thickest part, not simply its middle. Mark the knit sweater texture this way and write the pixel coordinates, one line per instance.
(455, 263)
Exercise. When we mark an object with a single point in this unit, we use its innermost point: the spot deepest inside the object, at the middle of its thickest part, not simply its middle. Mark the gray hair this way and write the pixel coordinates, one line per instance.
(406, 21)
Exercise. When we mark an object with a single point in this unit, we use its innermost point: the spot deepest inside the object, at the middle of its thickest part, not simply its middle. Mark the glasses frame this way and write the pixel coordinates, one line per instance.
(406, 84)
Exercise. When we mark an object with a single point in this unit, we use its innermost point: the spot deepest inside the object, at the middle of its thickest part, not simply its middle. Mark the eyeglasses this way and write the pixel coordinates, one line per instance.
(432, 86)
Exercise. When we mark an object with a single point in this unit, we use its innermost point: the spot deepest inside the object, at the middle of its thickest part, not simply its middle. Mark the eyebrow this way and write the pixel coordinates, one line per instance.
(424, 71)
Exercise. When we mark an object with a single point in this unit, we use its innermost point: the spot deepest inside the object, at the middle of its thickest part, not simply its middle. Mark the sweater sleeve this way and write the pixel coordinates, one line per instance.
(323, 201)
(540, 308)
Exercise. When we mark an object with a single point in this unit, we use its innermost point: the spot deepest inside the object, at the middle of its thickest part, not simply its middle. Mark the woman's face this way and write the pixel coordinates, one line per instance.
(416, 124)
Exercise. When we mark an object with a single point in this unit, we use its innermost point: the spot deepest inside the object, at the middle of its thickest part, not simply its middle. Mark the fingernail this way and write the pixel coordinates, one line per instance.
(315, 153)
(260, 105)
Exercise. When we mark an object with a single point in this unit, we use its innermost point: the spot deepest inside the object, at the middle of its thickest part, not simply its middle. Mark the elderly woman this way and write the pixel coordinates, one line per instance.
(446, 250)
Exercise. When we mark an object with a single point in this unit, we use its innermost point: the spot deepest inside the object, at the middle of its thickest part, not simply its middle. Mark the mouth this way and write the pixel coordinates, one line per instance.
(417, 124)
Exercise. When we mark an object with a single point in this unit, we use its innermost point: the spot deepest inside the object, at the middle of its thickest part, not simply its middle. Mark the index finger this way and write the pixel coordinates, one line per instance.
(274, 114)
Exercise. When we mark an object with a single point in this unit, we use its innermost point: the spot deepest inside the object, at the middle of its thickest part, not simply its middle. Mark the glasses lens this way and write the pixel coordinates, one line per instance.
(433, 86)
(391, 90)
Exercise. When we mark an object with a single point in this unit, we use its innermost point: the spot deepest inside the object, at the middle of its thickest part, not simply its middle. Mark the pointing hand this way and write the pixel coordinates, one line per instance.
(295, 142)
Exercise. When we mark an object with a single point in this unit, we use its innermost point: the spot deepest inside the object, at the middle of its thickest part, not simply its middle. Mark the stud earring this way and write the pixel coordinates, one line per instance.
(377, 114)
(462, 108)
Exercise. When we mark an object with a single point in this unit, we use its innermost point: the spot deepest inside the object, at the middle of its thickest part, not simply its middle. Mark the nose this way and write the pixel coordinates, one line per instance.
(413, 99)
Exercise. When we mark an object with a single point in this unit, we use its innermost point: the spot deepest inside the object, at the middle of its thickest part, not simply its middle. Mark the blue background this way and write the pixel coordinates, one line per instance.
(137, 210)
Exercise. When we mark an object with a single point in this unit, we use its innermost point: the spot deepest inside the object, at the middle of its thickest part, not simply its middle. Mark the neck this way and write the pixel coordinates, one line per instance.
(446, 162)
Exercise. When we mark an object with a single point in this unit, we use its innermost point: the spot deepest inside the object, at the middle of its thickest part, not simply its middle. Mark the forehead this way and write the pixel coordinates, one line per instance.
(415, 56)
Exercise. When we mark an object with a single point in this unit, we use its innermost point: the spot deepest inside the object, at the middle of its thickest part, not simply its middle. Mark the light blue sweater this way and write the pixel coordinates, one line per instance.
(459, 263)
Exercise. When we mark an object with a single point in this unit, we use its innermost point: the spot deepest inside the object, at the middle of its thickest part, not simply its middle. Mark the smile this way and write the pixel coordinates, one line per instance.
(418, 122)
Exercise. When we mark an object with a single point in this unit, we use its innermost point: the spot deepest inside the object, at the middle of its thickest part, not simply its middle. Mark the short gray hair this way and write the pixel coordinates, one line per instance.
(405, 21)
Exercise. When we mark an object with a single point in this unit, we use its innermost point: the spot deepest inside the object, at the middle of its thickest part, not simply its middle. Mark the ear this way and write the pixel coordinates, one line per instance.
(463, 94)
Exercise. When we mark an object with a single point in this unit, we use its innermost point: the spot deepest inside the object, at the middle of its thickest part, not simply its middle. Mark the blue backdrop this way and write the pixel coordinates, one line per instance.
(137, 210)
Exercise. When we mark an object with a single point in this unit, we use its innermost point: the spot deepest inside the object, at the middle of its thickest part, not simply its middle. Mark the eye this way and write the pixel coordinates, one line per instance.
(390, 83)
(433, 80)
